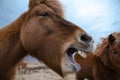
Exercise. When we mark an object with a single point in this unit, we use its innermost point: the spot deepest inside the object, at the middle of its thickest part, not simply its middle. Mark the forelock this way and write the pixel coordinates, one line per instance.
(53, 4)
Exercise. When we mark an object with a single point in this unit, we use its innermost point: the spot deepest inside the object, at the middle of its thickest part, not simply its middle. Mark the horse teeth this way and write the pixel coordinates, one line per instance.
(82, 54)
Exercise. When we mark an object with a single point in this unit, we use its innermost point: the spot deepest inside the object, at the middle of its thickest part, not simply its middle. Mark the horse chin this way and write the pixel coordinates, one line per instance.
(69, 64)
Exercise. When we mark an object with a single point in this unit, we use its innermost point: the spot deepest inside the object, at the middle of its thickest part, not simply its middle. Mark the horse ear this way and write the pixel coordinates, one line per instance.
(111, 39)
(33, 3)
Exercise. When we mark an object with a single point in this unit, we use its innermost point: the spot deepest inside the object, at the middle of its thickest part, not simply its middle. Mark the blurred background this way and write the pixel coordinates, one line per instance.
(97, 17)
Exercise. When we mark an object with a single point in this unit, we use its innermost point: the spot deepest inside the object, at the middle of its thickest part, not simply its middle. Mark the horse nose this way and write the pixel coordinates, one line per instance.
(86, 38)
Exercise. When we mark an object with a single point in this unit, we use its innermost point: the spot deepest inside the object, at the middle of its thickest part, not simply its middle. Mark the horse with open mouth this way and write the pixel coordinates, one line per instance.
(43, 33)
(104, 64)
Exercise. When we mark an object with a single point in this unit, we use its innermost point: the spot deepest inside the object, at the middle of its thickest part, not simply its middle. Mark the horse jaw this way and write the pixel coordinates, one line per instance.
(68, 62)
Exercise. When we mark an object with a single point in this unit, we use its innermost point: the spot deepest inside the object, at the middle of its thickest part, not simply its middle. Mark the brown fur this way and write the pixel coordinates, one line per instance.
(86, 67)
(40, 32)
(104, 64)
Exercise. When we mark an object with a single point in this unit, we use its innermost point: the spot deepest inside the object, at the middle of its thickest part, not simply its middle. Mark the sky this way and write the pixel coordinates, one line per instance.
(98, 18)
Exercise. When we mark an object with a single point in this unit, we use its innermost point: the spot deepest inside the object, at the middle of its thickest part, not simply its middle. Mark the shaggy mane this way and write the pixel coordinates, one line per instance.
(101, 46)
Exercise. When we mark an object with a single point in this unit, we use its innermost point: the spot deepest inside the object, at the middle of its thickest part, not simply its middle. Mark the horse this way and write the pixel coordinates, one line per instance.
(104, 63)
(43, 33)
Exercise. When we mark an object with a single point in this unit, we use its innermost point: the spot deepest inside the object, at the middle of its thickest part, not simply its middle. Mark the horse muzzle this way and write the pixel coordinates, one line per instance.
(83, 46)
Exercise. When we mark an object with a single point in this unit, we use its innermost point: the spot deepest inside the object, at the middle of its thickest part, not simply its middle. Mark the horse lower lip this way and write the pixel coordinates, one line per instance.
(76, 65)
(72, 58)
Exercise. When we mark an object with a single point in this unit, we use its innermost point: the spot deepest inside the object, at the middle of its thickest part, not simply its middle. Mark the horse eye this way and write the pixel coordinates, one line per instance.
(45, 14)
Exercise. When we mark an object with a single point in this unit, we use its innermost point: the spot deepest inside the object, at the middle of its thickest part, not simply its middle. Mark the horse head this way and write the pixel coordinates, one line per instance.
(110, 55)
(47, 36)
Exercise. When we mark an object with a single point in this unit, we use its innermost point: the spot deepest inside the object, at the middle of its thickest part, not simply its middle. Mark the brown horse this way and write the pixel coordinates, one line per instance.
(104, 64)
(43, 33)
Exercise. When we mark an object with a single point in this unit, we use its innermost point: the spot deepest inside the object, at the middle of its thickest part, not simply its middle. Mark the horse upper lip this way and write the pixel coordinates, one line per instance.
(86, 50)
(74, 49)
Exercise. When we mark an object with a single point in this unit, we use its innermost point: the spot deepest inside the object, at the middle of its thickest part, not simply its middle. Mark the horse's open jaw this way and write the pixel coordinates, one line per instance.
(69, 63)
(70, 55)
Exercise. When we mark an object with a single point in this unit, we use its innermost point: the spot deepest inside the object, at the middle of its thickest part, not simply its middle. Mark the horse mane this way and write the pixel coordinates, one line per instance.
(53, 4)
(101, 46)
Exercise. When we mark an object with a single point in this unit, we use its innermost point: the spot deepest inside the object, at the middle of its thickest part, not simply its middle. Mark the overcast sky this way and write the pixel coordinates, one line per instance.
(99, 18)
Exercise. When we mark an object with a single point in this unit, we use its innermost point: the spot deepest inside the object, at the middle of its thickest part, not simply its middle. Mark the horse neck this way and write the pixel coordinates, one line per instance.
(11, 49)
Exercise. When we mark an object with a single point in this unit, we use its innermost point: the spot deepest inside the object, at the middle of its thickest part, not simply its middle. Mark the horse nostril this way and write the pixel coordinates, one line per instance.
(86, 38)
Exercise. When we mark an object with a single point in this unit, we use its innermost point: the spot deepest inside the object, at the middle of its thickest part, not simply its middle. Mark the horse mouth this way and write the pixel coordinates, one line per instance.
(70, 55)
(72, 51)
